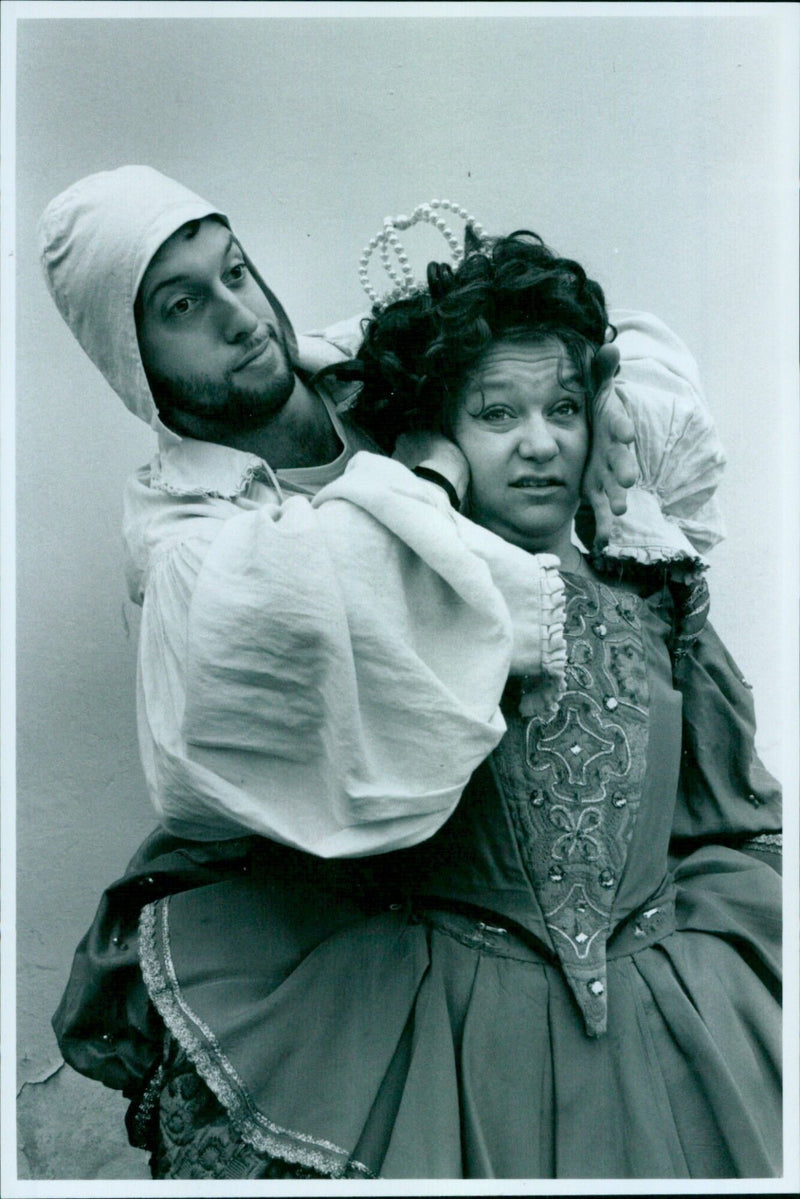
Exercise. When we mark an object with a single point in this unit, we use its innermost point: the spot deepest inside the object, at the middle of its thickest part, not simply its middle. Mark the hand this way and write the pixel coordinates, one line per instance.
(612, 467)
(438, 453)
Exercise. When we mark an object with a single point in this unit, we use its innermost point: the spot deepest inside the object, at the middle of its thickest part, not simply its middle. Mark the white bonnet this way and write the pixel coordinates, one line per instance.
(96, 240)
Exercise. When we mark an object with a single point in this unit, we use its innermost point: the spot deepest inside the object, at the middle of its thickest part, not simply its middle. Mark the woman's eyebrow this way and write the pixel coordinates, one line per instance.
(498, 382)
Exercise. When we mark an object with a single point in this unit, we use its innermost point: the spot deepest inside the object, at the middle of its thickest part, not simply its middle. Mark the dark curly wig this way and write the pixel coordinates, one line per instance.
(417, 353)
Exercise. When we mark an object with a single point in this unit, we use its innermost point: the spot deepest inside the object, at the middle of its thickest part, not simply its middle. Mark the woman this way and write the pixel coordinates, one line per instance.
(577, 975)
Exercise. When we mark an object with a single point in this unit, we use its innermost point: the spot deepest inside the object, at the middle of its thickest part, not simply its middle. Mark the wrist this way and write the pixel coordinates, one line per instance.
(433, 475)
(448, 462)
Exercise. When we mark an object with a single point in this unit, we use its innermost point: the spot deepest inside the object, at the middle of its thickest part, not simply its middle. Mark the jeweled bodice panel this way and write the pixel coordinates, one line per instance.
(573, 784)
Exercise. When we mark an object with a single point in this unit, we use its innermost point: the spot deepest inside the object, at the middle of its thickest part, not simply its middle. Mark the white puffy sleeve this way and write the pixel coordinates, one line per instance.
(672, 512)
(334, 344)
(327, 674)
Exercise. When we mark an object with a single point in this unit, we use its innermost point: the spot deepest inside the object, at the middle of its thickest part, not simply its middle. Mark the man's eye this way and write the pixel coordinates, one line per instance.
(180, 307)
(238, 272)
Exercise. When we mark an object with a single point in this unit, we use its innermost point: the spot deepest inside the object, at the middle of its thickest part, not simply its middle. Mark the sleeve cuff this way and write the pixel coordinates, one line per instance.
(646, 535)
(542, 692)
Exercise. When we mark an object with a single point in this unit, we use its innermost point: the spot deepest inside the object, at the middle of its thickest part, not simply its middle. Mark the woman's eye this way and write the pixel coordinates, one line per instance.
(568, 407)
(496, 415)
(237, 272)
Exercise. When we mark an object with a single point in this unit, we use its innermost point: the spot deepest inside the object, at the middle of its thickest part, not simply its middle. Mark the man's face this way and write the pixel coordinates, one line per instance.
(212, 346)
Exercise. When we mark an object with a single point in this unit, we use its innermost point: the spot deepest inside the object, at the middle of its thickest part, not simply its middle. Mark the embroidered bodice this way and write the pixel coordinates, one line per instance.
(565, 830)
(574, 784)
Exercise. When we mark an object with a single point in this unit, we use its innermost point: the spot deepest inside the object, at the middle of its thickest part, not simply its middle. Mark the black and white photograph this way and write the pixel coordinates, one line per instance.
(401, 549)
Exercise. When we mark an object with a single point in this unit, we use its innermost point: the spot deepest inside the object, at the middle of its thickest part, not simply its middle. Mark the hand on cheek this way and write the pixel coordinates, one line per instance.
(612, 467)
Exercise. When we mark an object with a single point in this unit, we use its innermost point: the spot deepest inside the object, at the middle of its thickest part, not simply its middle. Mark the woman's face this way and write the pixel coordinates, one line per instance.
(521, 423)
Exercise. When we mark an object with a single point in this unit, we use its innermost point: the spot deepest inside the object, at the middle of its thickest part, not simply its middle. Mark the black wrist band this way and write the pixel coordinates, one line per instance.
(433, 476)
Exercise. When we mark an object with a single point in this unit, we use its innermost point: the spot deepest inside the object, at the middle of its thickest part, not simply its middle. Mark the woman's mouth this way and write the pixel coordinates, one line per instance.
(529, 483)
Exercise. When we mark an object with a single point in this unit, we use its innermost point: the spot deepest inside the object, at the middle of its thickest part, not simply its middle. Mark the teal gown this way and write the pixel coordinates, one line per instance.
(576, 977)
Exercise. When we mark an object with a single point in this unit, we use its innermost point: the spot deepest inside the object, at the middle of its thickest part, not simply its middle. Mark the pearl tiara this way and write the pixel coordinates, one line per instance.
(393, 255)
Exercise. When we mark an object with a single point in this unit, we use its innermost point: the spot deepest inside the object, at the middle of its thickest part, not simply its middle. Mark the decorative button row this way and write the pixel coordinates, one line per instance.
(638, 931)
(537, 798)
(606, 877)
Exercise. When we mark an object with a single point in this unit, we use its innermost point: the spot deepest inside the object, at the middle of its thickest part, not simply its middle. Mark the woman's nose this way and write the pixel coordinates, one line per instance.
(537, 441)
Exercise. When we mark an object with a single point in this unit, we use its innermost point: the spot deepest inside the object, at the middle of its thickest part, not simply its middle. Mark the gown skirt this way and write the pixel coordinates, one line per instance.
(431, 1043)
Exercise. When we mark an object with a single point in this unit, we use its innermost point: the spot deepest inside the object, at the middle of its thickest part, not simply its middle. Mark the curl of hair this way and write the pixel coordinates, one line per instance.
(418, 352)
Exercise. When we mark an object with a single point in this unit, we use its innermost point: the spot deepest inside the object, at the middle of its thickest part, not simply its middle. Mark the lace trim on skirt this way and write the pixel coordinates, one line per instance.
(195, 1138)
(205, 1054)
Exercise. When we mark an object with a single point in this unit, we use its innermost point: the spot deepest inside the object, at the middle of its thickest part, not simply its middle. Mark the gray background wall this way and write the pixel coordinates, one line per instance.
(648, 146)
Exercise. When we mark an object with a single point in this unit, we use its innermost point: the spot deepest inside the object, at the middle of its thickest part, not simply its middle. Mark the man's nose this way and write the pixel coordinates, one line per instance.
(238, 320)
(537, 441)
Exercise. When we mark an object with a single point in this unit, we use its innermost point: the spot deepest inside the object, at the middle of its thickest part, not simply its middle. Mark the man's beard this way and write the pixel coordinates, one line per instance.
(222, 404)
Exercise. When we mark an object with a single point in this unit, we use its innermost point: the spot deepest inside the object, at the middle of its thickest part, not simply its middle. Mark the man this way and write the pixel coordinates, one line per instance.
(273, 700)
